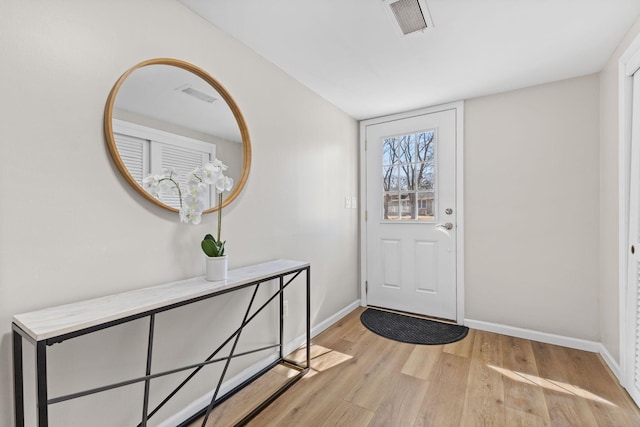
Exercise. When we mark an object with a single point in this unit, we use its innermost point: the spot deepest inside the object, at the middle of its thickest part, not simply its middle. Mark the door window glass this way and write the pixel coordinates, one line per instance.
(408, 175)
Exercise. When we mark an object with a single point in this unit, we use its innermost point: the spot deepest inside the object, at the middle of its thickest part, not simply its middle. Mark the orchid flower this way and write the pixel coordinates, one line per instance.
(193, 196)
(211, 172)
(224, 183)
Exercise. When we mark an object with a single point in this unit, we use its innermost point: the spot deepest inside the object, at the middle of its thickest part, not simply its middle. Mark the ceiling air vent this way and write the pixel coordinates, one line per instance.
(411, 15)
(188, 90)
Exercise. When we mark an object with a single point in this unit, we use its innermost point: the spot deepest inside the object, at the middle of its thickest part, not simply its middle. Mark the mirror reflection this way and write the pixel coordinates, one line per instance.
(166, 114)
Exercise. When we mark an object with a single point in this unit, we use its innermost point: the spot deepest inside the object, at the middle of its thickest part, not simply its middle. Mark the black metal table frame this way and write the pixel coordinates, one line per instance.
(43, 401)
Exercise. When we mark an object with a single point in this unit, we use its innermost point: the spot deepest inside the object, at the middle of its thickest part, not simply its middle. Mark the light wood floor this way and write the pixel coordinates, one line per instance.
(361, 379)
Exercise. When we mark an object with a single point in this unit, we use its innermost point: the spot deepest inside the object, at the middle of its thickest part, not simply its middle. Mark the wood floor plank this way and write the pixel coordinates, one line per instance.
(462, 348)
(357, 328)
(300, 354)
(565, 408)
(422, 360)
(488, 348)
(521, 392)
(348, 415)
(484, 398)
(401, 403)
(344, 326)
(517, 418)
(370, 390)
(443, 403)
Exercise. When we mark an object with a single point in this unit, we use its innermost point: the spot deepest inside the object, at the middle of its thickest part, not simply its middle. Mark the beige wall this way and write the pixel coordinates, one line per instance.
(531, 208)
(609, 223)
(71, 228)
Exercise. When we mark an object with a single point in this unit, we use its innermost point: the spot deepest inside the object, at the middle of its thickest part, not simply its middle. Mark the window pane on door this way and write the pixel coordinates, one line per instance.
(426, 206)
(390, 178)
(407, 205)
(407, 149)
(408, 173)
(407, 177)
(426, 176)
(390, 151)
(391, 207)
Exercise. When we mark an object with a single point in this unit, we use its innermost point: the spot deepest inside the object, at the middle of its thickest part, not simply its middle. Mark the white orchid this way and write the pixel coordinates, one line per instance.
(191, 209)
(224, 183)
(194, 195)
(190, 216)
(151, 183)
(197, 189)
(211, 172)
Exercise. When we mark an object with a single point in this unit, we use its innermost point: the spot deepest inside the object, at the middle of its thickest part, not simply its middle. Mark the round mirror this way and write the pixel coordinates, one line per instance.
(169, 114)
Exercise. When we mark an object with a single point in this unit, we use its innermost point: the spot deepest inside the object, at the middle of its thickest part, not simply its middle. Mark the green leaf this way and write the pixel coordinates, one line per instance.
(209, 247)
(209, 237)
(212, 248)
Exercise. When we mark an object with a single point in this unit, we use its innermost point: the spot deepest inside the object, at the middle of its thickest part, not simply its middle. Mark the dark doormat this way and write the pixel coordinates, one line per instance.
(411, 330)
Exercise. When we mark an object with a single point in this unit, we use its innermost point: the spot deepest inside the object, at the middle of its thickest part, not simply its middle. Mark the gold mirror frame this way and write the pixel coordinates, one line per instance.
(244, 132)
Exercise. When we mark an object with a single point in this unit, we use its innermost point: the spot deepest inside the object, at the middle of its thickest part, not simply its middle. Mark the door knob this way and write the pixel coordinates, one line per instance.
(448, 226)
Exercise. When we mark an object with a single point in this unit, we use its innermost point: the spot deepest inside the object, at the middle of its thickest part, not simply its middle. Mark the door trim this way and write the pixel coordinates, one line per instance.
(459, 109)
(629, 62)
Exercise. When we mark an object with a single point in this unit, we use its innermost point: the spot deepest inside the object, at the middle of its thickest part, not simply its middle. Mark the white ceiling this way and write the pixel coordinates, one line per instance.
(351, 53)
(155, 92)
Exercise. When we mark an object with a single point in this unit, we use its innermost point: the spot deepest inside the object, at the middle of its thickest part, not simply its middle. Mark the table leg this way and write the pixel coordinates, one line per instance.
(281, 291)
(308, 317)
(147, 383)
(18, 380)
(41, 384)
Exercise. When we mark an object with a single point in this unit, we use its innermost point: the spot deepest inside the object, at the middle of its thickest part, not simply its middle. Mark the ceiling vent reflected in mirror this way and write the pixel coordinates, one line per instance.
(412, 16)
(188, 90)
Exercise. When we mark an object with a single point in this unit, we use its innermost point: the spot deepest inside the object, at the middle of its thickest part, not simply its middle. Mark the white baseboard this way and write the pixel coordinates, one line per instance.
(529, 334)
(577, 343)
(610, 361)
(197, 405)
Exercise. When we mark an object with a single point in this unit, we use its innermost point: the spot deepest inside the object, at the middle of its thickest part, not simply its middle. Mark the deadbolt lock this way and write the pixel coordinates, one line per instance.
(448, 211)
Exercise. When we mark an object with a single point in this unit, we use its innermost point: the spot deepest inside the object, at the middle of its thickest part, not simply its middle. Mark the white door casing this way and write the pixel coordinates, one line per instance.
(413, 265)
(629, 219)
(633, 273)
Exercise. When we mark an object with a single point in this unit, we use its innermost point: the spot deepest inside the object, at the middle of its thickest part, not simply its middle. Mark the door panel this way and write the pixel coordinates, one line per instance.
(411, 214)
(426, 272)
(392, 263)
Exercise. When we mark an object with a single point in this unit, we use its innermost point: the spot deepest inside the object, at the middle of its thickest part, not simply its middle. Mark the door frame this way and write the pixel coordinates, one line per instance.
(629, 62)
(458, 107)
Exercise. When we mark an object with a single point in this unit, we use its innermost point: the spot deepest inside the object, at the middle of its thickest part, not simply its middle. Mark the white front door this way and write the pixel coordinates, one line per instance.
(411, 214)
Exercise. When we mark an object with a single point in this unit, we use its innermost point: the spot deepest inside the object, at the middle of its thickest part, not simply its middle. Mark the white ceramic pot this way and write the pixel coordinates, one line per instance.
(216, 268)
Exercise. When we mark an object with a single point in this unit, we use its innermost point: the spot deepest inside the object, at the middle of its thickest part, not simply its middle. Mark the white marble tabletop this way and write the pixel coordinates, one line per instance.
(63, 319)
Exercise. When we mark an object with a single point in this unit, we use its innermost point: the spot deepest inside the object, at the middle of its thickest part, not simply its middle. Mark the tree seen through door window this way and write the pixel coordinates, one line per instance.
(408, 176)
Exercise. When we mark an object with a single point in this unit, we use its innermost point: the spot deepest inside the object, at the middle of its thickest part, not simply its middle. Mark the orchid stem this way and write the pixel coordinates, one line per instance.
(219, 215)
(170, 178)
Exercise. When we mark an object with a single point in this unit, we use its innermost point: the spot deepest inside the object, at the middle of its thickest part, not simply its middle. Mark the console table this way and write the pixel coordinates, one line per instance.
(54, 325)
